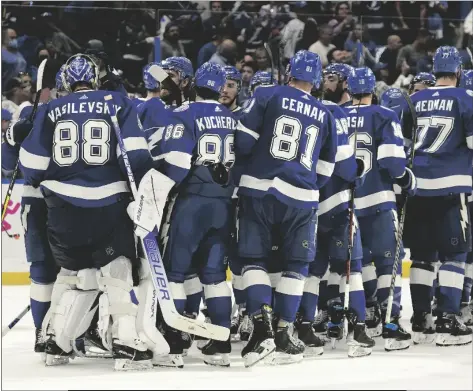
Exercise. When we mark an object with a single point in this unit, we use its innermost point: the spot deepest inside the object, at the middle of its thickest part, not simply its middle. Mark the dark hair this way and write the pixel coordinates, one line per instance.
(330, 54)
(250, 64)
(448, 75)
(337, 7)
(206, 93)
(360, 96)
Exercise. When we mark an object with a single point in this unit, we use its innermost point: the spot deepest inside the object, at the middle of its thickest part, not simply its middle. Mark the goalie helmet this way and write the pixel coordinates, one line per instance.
(81, 68)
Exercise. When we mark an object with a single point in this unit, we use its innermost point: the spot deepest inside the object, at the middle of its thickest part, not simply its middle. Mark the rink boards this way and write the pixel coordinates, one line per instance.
(15, 269)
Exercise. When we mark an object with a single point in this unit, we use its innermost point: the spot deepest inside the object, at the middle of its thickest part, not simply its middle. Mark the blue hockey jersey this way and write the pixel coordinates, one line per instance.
(290, 139)
(334, 196)
(10, 156)
(72, 150)
(443, 151)
(198, 148)
(380, 145)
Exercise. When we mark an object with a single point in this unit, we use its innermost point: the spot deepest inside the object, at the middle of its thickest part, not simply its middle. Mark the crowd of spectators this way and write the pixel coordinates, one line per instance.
(395, 38)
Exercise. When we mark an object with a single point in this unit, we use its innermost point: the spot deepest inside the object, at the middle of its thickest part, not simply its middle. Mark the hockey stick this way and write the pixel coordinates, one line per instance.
(271, 60)
(39, 87)
(6, 329)
(402, 216)
(155, 262)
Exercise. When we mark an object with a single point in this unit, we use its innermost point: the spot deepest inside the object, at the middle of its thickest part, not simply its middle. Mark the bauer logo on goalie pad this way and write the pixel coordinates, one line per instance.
(158, 269)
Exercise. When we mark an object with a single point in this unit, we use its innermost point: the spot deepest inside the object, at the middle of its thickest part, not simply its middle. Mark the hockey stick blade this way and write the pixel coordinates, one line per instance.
(158, 73)
(155, 262)
(6, 329)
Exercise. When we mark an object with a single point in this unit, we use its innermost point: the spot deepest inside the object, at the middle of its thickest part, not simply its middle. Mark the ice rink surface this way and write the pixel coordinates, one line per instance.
(419, 367)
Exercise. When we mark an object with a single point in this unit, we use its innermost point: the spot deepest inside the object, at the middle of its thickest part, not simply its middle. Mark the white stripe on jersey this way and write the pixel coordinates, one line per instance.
(469, 142)
(36, 162)
(444, 183)
(325, 168)
(86, 193)
(375, 199)
(30, 191)
(133, 144)
(391, 150)
(176, 158)
(243, 128)
(333, 201)
(283, 187)
(344, 152)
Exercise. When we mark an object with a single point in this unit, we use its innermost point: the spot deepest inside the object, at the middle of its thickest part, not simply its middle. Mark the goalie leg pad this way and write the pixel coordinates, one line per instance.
(72, 310)
(118, 301)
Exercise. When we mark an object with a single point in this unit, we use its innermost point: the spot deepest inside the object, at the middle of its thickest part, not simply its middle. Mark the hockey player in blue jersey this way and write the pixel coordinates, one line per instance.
(332, 239)
(197, 154)
(152, 86)
(260, 78)
(71, 156)
(232, 87)
(379, 142)
(421, 81)
(335, 83)
(180, 71)
(443, 165)
(466, 80)
(43, 269)
(291, 142)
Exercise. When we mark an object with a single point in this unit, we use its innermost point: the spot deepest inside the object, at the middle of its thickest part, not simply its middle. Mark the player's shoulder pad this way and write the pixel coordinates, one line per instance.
(328, 103)
(185, 106)
(469, 92)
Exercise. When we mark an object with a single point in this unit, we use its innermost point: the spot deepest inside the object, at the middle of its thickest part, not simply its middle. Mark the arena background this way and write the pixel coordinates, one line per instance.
(395, 38)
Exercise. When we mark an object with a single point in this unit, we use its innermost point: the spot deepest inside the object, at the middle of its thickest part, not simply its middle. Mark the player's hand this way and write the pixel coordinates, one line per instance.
(360, 168)
(408, 183)
(18, 131)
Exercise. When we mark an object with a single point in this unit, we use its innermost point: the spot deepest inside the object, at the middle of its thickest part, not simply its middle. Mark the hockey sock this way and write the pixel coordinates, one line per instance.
(258, 288)
(421, 282)
(357, 300)
(179, 295)
(370, 282)
(322, 302)
(288, 295)
(238, 290)
(384, 284)
(40, 300)
(333, 285)
(310, 298)
(193, 289)
(219, 303)
(451, 276)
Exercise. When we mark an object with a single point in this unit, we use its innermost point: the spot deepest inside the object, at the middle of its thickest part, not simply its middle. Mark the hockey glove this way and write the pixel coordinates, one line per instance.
(18, 131)
(408, 183)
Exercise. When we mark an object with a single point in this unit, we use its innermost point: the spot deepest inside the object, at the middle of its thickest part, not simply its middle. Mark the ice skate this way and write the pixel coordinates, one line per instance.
(128, 358)
(54, 354)
(246, 327)
(335, 324)
(423, 329)
(261, 342)
(395, 337)
(374, 327)
(451, 331)
(358, 341)
(289, 350)
(314, 346)
(466, 314)
(176, 343)
(235, 325)
(320, 325)
(216, 353)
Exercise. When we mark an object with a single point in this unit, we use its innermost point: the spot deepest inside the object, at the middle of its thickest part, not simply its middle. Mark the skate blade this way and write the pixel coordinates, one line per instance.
(266, 348)
(445, 339)
(218, 360)
(355, 351)
(54, 360)
(422, 338)
(281, 358)
(323, 336)
(130, 365)
(391, 344)
(168, 361)
(313, 351)
(234, 338)
(375, 331)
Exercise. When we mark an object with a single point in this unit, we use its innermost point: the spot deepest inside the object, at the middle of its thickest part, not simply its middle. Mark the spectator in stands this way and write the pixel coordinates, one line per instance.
(361, 34)
(214, 21)
(425, 64)
(12, 60)
(389, 57)
(435, 12)
(247, 71)
(339, 56)
(342, 23)
(409, 55)
(209, 49)
(225, 54)
(15, 95)
(324, 44)
(290, 35)
(262, 60)
(170, 45)
(311, 32)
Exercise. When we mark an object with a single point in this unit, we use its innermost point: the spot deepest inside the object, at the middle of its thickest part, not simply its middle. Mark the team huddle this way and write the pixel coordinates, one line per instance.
(297, 195)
